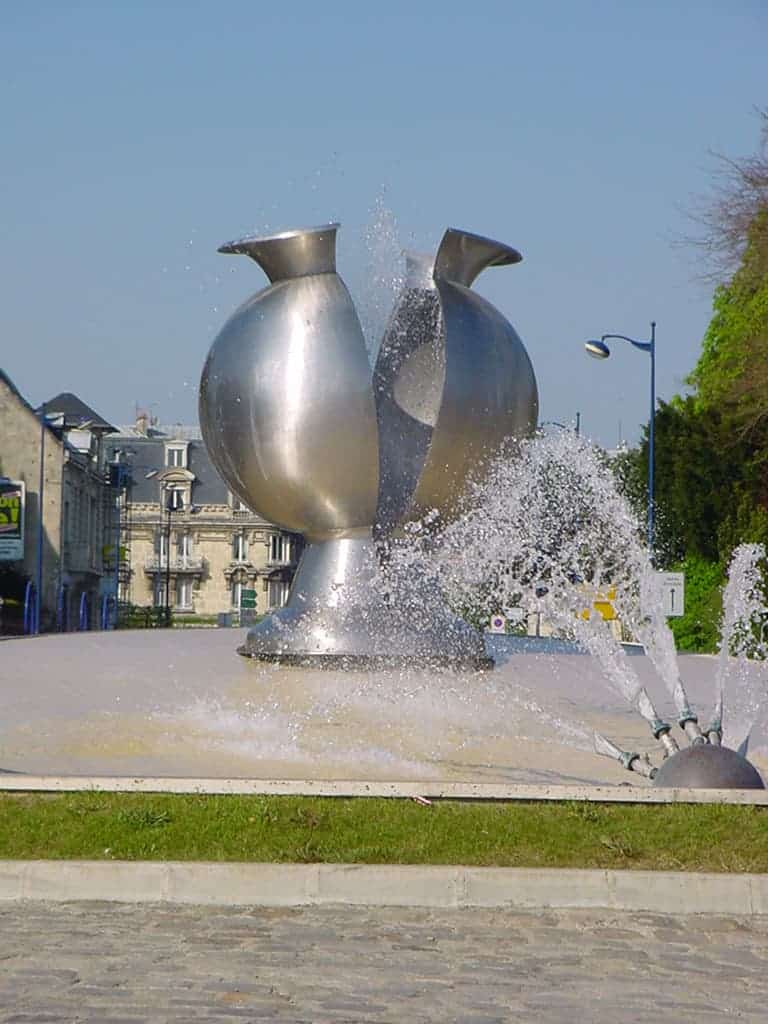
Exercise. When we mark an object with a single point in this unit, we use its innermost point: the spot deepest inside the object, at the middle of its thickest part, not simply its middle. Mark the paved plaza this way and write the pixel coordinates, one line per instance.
(115, 964)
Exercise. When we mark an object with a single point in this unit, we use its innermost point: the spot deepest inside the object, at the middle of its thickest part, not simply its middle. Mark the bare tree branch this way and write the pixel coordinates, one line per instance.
(728, 217)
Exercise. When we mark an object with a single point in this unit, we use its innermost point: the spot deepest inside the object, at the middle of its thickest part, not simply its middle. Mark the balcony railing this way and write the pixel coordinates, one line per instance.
(179, 563)
(282, 563)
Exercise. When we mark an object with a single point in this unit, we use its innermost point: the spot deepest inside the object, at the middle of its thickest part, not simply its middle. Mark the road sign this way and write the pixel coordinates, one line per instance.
(247, 598)
(498, 624)
(673, 592)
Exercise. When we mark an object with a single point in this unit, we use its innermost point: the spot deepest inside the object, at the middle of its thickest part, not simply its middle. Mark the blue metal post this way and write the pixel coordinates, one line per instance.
(40, 497)
(29, 607)
(117, 543)
(651, 440)
(600, 350)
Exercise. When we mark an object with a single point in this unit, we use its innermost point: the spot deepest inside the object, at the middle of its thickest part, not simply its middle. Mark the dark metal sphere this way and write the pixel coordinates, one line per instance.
(707, 767)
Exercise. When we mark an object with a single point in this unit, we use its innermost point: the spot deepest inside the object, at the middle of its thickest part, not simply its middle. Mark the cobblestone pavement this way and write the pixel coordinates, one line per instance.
(120, 964)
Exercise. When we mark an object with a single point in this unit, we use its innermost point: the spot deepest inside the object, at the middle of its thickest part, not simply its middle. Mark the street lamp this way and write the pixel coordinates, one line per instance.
(174, 503)
(599, 350)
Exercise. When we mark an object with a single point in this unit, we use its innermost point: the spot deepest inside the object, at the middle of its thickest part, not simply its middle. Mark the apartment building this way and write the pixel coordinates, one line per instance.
(67, 508)
(186, 543)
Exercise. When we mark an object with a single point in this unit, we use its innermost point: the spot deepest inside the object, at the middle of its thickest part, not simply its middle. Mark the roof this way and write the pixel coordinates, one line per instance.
(5, 379)
(146, 455)
(76, 413)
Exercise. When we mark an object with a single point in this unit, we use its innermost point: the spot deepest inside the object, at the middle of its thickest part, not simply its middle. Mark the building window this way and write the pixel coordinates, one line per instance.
(81, 527)
(184, 546)
(280, 549)
(161, 546)
(184, 594)
(93, 533)
(159, 593)
(239, 547)
(277, 593)
(67, 527)
(174, 495)
(176, 456)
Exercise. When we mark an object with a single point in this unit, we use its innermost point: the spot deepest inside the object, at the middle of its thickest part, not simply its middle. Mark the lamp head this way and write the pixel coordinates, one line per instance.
(597, 349)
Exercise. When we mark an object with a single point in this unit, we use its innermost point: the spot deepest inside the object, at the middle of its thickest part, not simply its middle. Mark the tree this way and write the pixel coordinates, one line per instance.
(732, 371)
(695, 477)
(712, 446)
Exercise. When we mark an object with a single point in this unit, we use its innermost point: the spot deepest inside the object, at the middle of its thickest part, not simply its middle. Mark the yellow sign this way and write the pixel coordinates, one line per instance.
(602, 603)
(11, 520)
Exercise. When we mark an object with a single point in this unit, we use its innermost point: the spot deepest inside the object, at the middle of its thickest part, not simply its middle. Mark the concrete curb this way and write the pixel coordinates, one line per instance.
(364, 885)
(433, 790)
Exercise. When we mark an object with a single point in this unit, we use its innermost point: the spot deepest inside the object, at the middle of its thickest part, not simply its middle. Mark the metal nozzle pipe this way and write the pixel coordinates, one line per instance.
(689, 723)
(661, 732)
(641, 765)
(715, 734)
(714, 730)
(631, 761)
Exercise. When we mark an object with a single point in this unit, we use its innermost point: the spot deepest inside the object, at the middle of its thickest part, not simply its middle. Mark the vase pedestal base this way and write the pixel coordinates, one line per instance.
(344, 611)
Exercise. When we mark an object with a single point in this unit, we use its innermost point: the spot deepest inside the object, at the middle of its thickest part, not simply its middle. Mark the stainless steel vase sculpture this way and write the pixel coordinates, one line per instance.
(309, 436)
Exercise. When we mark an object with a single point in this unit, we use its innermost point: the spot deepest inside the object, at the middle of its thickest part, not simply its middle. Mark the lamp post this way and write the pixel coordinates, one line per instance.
(45, 422)
(174, 503)
(40, 496)
(599, 350)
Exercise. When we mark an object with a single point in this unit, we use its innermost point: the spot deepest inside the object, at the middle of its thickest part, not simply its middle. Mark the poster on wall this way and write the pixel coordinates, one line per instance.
(11, 520)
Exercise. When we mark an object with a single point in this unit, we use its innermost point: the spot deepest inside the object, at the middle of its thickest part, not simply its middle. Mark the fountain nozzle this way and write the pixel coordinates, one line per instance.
(714, 732)
(637, 763)
(661, 732)
(689, 723)
(630, 760)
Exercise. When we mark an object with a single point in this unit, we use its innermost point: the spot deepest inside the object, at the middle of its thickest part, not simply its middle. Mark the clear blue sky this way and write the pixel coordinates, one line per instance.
(136, 137)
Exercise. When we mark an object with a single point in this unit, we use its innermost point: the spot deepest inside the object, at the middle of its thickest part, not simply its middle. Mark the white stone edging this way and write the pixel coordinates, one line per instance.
(297, 885)
(434, 790)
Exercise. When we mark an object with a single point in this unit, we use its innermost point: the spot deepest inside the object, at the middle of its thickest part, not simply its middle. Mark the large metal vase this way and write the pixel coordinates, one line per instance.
(305, 434)
(286, 406)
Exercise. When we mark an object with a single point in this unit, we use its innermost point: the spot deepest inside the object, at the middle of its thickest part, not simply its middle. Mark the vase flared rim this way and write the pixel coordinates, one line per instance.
(237, 245)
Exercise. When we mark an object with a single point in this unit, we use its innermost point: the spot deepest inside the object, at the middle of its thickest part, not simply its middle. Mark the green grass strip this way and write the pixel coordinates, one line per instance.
(137, 826)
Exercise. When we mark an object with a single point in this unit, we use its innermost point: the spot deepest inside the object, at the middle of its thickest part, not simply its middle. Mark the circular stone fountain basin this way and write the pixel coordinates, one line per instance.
(182, 703)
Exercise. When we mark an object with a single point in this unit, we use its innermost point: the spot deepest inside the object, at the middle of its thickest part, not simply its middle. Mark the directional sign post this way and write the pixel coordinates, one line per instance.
(673, 593)
(247, 598)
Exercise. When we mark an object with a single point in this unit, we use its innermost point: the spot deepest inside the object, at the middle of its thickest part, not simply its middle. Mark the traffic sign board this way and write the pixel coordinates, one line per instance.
(247, 598)
(672, 592)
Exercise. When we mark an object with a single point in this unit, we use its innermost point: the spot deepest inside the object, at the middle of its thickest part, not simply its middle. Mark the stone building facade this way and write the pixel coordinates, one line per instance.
(76, 502)
(186, 542)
